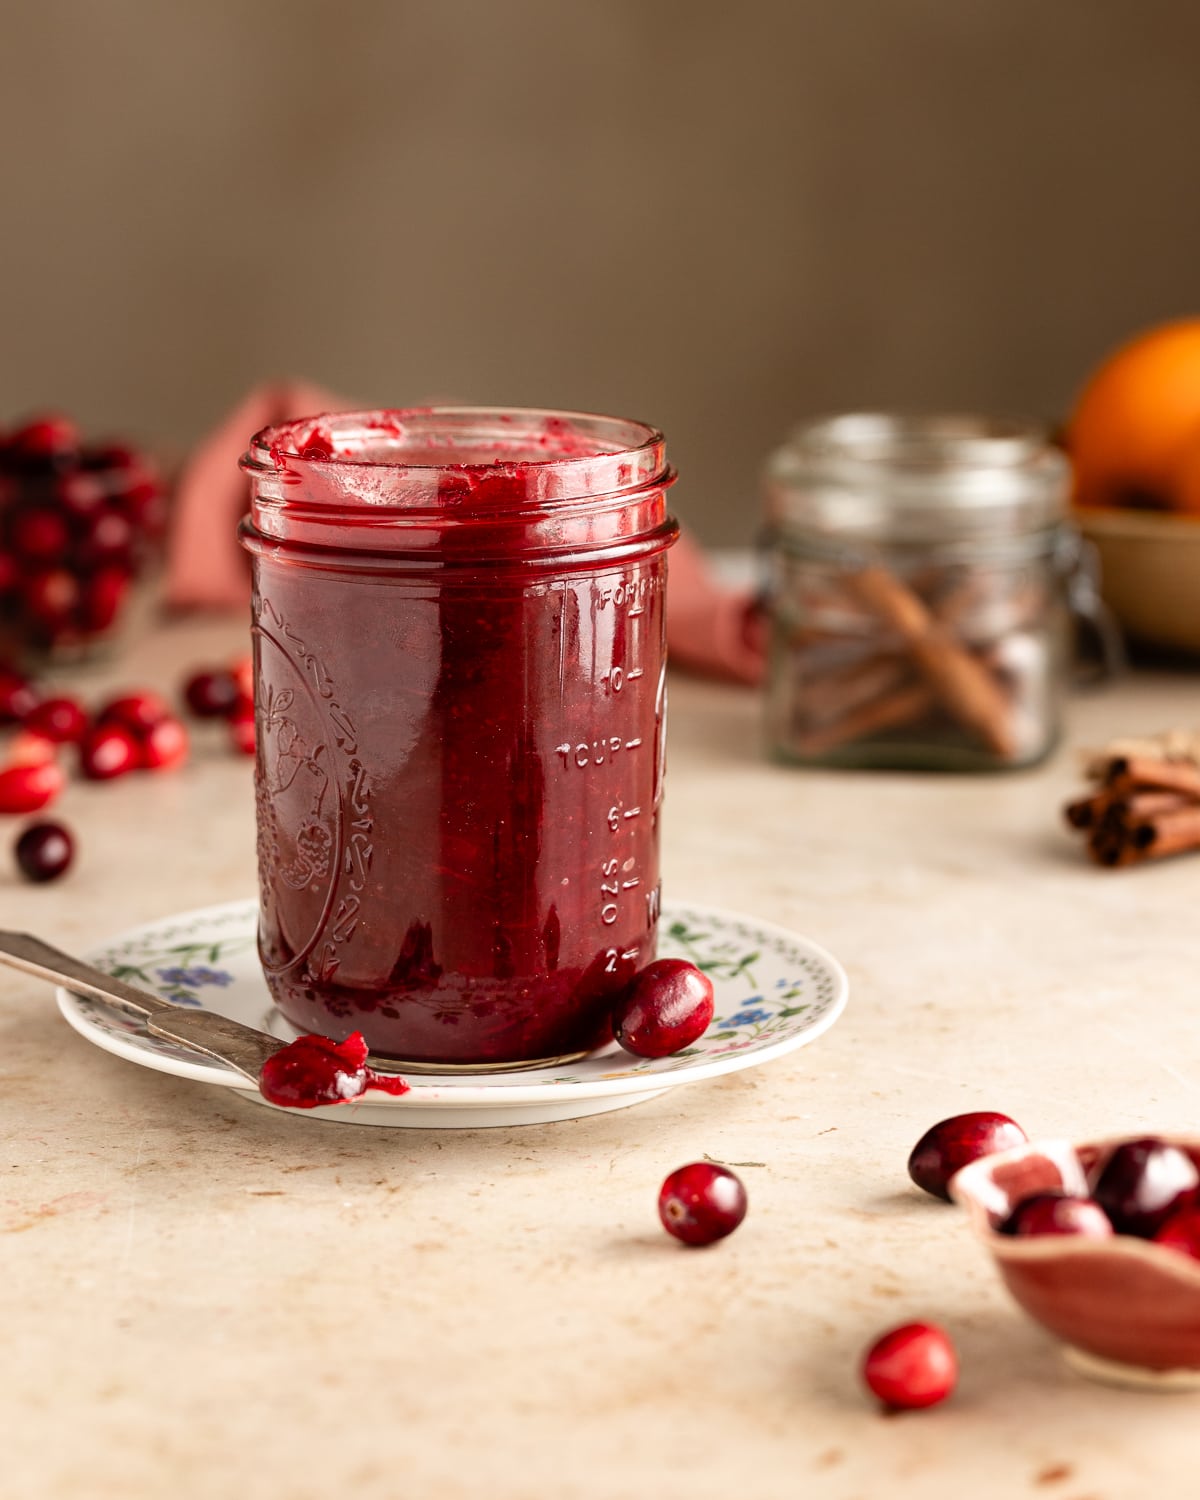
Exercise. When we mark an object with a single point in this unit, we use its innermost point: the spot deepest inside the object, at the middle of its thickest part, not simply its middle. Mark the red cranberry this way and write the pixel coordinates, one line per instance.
(40, 533)
(58, 719)
(109, 540)
(108, 751)
(103, 595)
(29, 788)
(50, 599)
(82, 495)
(242, 672)
(1182, 1232)
(911, 1367)
(29, 749)
(1058, 1213)
(137, 712)
(44, 851)
(1143, 1183)
(241, 729)
(951, 1144)
(701, 1202)
(164, 745)
(212, 695)
(111, 456)
(50, 439)
(144, 504)
(18, 697)
(666, 1007)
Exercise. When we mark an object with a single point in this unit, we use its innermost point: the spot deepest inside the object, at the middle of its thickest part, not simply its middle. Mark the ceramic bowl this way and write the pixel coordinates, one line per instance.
(1126, 1309)
(1149, 573)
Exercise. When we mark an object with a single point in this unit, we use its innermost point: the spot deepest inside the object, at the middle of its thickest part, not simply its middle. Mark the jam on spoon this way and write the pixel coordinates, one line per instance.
(315, 1070)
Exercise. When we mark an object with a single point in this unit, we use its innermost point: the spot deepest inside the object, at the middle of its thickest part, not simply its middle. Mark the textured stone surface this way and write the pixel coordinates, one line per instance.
(200, 1297)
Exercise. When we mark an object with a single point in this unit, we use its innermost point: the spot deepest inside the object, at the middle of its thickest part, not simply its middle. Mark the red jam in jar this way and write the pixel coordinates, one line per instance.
(459, 682)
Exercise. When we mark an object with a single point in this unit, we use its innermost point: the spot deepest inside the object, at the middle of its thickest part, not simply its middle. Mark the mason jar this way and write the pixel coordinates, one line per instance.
(917, 592)
(458, 622)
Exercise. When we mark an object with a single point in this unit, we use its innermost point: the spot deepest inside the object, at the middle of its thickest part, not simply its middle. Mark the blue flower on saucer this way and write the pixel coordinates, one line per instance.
(747, 1017)
(195, 978)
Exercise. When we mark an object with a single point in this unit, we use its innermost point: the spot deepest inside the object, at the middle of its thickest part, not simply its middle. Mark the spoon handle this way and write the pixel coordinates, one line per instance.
(22, 951)
(238, 1046)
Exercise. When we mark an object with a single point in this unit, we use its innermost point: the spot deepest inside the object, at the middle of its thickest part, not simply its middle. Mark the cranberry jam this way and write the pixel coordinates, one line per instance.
(459, 684)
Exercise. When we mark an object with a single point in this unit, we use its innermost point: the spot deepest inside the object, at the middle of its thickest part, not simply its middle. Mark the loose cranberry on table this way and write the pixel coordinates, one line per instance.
(18, 696)
(1182, 1232)
(212, 694)
(108, 751)
(29, 788)
(1058, 1213)
(952, 1144)
(1143, 1183)
(241, 729)
(164, 745)
(137, 712)
(702, 1202)
(911, 1367)
(44, 851)
(61, 720)
(667, 1006)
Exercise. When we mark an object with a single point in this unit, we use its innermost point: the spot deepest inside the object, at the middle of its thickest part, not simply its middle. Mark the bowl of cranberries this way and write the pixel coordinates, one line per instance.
(1100, 1243)
(78, 523)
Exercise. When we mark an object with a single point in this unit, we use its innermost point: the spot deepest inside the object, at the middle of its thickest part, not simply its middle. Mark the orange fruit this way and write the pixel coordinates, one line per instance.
(1186, 490)
(1136, 418)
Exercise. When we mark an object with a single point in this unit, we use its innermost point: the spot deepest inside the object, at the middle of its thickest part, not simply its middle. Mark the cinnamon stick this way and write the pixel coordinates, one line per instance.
(961, 683)
(1160, 775)
(889, 711)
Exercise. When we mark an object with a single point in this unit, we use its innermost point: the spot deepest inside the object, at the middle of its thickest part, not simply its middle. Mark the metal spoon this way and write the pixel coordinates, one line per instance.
(229, 1042)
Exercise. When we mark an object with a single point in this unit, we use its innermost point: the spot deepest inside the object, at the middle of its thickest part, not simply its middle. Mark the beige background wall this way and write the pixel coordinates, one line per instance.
(718, 216)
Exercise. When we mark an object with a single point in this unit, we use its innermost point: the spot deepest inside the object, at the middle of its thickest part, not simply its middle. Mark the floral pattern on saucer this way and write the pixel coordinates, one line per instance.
(774, 991)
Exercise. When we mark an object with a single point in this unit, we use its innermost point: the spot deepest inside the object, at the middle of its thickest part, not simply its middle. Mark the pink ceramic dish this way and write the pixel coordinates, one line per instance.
(1126, 1308)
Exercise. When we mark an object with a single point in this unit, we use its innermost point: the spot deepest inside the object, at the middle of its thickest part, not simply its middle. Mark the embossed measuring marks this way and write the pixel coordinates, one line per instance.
(622, 756)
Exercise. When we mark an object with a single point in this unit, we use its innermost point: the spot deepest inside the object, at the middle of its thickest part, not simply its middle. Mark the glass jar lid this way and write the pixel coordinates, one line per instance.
(871, 476)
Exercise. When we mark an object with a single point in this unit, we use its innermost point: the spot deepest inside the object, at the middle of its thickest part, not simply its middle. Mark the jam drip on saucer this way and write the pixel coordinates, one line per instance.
(314, 1070)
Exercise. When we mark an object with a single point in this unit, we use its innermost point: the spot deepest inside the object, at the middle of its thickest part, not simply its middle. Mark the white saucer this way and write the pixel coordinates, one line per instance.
(774, 992)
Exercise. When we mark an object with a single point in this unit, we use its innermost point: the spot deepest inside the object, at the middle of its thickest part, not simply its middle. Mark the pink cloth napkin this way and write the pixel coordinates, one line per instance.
(711, 630)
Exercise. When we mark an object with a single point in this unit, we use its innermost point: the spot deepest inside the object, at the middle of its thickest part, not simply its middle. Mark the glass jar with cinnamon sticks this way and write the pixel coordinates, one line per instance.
(917, 593)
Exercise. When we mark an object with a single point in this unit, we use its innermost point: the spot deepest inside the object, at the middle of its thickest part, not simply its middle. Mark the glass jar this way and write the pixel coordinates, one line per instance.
(460, 694)
(917, 593)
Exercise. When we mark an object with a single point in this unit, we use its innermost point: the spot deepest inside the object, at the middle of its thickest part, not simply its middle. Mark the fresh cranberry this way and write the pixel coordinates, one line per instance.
(701, 1202)
(1058, 1213)
(40, 533)
(50, 439)
(1182, 1232)
(82, 495)
(666, 1007)
(1143, 1183)
(29, 749)
(103, 595)
(137, 712)
(50, 599)
(29, 788)
(951, 1144)
(212, 695)
(59, 719)
(109, 540)
(242, 672)
(164, 745)
(108, 751)
(44, 851)
(143, 502)
(111, 456)
(18, 697)
(241, 729)
(911, 1367)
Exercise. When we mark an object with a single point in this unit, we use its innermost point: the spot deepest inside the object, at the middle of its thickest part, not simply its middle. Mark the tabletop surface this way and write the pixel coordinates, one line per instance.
(202, 1297)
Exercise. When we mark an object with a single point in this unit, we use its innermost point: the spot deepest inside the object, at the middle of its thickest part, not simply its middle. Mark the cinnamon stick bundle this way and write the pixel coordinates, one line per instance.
(1145, 808)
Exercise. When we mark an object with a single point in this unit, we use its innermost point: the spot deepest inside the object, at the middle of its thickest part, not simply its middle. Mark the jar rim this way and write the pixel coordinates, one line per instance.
(896, 476)
(372, 438)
